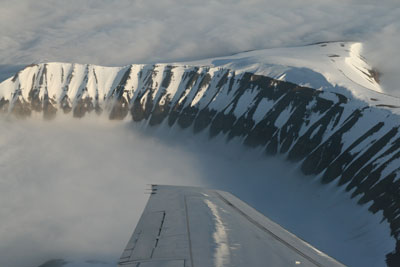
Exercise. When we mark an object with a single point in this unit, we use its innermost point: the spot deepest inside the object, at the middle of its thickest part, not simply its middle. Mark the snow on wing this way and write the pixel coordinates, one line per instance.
(189, 226)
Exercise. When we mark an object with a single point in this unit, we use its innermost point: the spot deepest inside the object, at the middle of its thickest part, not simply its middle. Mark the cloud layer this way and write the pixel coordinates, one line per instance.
(75, 189)
(137, 31)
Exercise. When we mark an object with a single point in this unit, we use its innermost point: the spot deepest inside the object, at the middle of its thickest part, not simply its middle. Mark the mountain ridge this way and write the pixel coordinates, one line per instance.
(335, 121)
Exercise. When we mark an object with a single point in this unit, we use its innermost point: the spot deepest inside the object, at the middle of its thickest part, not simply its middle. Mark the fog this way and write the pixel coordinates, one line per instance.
(74, 189)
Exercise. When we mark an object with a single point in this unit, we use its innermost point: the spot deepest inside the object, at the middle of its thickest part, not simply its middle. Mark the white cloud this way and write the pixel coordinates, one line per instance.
(383, 50)
(75, 188)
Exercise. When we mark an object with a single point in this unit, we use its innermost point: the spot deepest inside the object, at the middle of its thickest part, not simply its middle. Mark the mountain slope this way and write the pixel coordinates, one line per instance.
(319, 105)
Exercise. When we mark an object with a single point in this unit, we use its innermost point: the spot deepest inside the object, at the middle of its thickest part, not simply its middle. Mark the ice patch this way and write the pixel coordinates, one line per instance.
(220, 236)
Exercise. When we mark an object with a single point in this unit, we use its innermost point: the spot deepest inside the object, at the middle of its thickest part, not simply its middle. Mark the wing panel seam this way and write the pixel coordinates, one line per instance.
(188, 230)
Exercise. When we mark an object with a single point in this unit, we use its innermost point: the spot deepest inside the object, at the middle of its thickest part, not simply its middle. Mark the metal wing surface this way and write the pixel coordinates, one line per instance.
(197, 227)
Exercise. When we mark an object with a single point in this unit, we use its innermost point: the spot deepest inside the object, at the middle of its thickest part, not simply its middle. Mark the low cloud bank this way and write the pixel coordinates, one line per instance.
(75, 189)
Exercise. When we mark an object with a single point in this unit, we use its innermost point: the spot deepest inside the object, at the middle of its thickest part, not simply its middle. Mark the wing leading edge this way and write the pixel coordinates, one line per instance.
(197, 227)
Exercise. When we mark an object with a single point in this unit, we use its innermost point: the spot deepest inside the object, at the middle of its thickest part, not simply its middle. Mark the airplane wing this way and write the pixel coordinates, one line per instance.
(197, 227)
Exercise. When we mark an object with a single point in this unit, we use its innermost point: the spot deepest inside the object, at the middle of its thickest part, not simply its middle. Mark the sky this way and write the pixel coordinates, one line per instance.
(122, 32)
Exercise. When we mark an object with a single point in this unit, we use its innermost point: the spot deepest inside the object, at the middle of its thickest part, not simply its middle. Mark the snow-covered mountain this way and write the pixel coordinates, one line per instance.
(320, 105)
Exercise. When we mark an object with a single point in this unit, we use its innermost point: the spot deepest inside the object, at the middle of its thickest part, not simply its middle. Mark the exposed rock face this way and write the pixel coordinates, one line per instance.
(341, 139)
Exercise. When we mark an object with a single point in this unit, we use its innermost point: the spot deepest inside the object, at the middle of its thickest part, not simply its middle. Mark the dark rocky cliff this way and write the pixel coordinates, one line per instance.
(340, 139)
